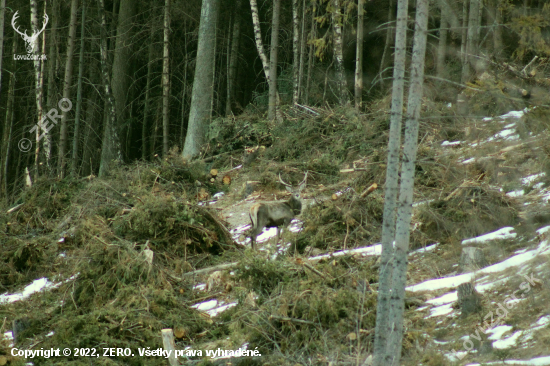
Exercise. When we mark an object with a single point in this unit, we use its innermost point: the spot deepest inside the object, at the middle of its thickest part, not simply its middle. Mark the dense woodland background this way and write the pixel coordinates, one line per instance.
(143, 83)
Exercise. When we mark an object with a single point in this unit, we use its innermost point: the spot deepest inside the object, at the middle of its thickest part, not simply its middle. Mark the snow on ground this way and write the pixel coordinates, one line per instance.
(213, 307)
(500, 234)
(449, 143)
(40, 284)
(455, 281)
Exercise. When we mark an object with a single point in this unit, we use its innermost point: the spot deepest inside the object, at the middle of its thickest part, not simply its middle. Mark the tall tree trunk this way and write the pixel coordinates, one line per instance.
(166, 79)
(258, 38)
(38, 89)
(203, 82)
(311, 59)
(389, 37)
(464, 36)
(404, 211)
(121, 67)
(442, 47)
(295, 50)
(110, 149)
(392, 175)
(2, 16)
(472, 41)
(93, 129)
(146, 109)
(67, 88)
(273, 102)
(359, 56)
(337, 22)
(51, 99)
(497, 32)
(8, 129)
(302, 51)
(234, 57)
(76, 137)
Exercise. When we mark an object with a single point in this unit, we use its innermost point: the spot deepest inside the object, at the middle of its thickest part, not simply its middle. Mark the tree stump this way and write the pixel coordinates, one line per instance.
(468, 299)
(471, 259)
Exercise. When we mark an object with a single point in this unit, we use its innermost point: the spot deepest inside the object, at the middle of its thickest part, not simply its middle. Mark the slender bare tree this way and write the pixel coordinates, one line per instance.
(258, 38)
(147, 107)
(67, 81)
(337, 23)
(359, 55)
(404, 207)
(273, 100)
(295, 50)
(110, 149)
(391, 190)
(311, 58)
(442, 46)
(166, 79)
(234, 56)
(387, 44)
(302, 51)
(2, 17)
(76, 137)
(8, 129)
(203, 82)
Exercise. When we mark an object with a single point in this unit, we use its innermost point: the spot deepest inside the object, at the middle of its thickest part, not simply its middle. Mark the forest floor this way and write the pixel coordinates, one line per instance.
(91, 263)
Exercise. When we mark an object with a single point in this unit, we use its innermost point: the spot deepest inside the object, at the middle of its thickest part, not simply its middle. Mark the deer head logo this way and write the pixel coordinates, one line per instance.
(29, 40)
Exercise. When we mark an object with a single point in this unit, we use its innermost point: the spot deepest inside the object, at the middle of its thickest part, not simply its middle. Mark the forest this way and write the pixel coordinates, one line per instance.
(138, 129)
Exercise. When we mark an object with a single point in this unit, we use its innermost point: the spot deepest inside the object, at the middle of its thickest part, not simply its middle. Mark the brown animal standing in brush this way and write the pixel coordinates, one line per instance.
(276, 214)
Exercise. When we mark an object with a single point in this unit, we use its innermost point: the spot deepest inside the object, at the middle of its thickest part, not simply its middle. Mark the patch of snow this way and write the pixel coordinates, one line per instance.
(448, 143)
(498, 332)
(206, 305)
(429, 248)
(220, 309)
(218, 195)
(517, 193)
(213, 307)
(543, 230)
(456, 356)
(40, 284)
(422, 203)
(454, 281)
(200, 287)
(532, 178)
(469, 161)
(450, 105)
(500, 234)
(508, 342)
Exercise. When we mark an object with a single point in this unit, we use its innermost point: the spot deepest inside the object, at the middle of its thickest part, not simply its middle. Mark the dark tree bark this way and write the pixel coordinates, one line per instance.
(61, 158)
(233, 58)
(121, 66)
(110, 149)
(76, 137)
(166, 79)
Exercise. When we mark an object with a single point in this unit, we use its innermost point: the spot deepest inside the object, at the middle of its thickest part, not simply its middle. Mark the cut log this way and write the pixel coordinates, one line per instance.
(169, 345)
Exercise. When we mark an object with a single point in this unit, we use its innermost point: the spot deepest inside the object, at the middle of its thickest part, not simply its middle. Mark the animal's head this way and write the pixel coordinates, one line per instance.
(295, 191)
